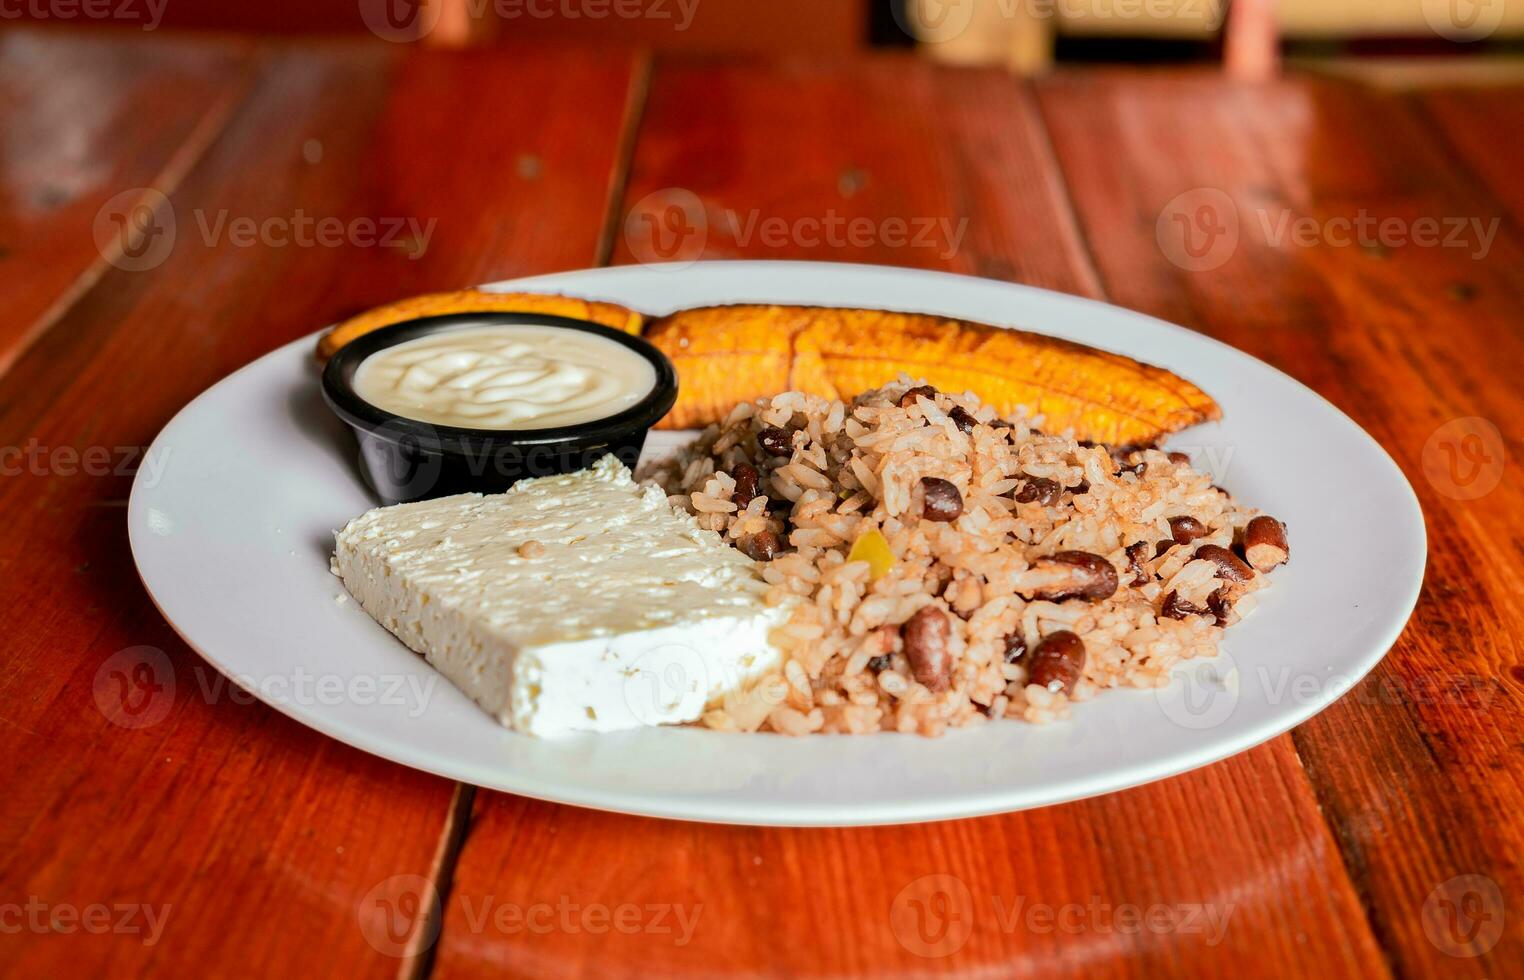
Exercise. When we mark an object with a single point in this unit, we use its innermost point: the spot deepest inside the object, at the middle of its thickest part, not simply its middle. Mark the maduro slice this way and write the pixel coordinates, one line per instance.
(477, 301)
(725, 355)
(835, 353)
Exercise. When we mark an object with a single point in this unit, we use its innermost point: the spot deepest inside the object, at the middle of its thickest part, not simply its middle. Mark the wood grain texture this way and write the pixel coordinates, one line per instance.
(1240, 843)
(87, 120)
(259, 844)
(1481, 127)
(1415, 768)
(904, 163)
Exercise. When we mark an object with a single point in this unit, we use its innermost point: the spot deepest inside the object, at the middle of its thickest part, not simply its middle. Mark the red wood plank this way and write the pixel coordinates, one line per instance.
(1420, 769)
(87, 120)
(1039, 893)
(258, 843)
(876, 164)
(1482, 126)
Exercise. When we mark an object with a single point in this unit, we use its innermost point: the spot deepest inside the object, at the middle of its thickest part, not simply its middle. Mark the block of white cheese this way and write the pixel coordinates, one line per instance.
(570, 603)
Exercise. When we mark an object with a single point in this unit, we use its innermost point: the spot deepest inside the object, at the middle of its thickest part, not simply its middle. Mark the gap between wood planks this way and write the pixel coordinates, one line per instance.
(418, 962)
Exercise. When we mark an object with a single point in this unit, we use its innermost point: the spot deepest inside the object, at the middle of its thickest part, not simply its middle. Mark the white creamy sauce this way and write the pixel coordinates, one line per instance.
(506, 377)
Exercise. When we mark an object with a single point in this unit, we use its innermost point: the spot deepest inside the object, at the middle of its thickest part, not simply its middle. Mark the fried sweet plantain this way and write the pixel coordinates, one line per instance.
(728, 354)
(477, 301)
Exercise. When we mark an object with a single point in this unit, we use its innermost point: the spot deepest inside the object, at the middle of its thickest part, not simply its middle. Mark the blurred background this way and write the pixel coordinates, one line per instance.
(1392, 39)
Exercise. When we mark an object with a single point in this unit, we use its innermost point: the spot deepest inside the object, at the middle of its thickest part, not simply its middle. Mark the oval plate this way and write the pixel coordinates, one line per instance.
(233, 528)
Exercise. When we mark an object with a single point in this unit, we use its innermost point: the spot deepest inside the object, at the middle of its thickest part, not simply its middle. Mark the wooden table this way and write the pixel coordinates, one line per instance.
(225, 839)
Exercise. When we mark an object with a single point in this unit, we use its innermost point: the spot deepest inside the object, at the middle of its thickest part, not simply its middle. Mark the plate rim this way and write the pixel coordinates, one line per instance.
(782, 811)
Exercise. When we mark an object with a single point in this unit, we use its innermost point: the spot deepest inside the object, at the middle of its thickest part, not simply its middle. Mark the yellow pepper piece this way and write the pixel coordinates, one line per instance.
(872, 547)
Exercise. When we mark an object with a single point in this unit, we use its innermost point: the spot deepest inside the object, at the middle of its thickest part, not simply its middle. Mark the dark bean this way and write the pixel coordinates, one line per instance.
(1058, 662)
(942, 502)
(962, 419)
(1087, 576)
(1182, 458)
(1175, 607)
(1015, 648)
(924, 391)
(1082, 487)
(880, 663)
(1265, 544)
(747, 479)
(1136, 469)
(762, 546)
(926, 636)
(1038, 490)
(1137, 554)
(1217, 605)
(1230, 567)
(775, 441)
(1187, 529)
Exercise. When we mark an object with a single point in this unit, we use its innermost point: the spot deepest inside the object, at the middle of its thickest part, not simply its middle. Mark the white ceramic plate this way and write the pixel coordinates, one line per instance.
(232, 529)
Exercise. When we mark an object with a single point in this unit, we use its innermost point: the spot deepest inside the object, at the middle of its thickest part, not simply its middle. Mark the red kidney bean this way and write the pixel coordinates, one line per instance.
(775, 441)
(1058, 663)
(941, 501)
(762, 546)
(922, 391)
(962, 419)
(1230, 567)
(1217, 605)
(1090, 576)
(1137, 554)
(1187, 529)
(1040, 491)
(1265, 544)
(1015, 648)
(747, 480)
(927, 636)
(1175, 607)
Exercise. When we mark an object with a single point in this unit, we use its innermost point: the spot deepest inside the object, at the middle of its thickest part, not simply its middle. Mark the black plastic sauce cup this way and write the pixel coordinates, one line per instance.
(406, 459)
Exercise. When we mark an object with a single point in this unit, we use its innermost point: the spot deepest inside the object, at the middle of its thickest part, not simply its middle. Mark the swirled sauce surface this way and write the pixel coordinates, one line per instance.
(506, 377)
